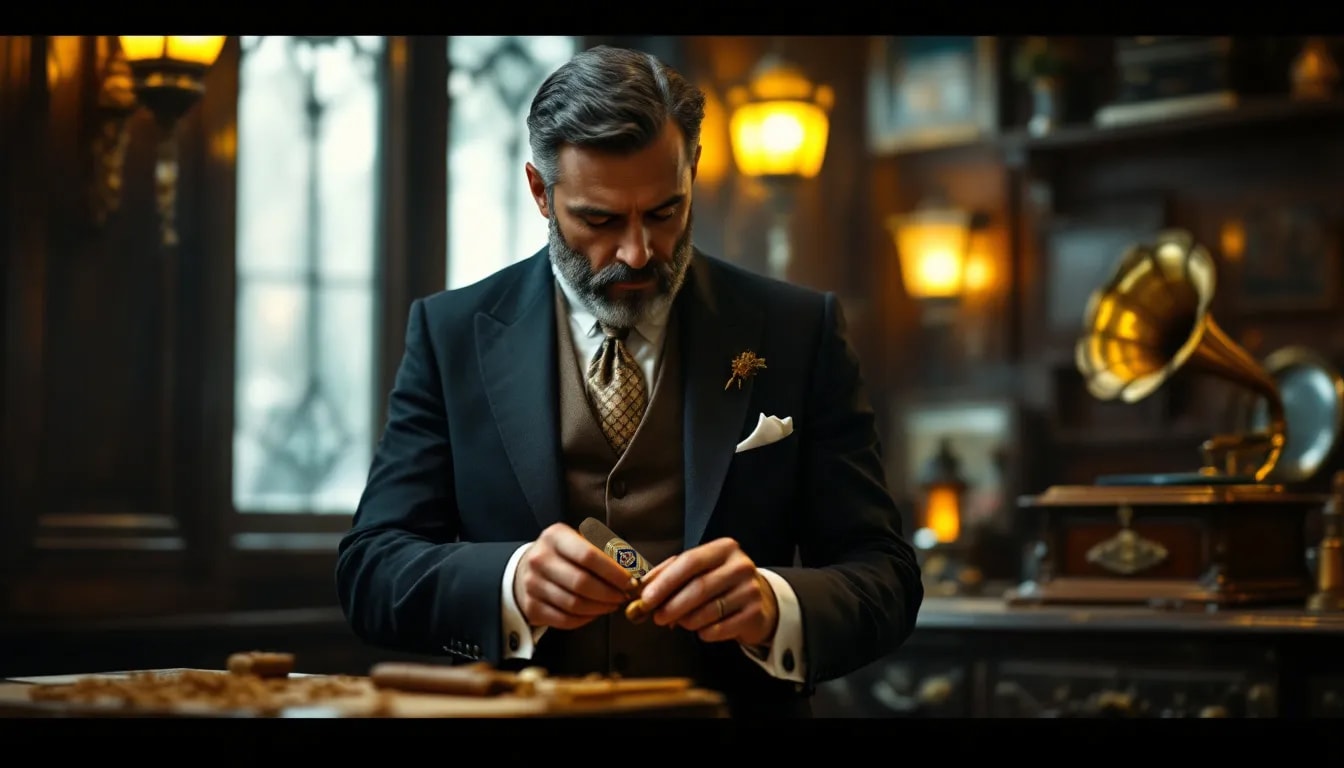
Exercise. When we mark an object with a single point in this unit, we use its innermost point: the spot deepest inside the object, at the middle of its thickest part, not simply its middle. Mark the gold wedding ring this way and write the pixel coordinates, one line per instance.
(719, 602)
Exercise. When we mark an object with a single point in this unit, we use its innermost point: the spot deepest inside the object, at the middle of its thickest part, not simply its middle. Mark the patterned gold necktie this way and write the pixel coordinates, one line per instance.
(616, 386)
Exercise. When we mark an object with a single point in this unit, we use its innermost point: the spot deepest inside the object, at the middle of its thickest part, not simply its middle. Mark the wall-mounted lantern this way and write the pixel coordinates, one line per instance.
(166, 74)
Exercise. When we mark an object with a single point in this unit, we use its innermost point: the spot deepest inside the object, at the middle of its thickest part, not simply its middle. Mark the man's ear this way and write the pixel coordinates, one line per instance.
(695, 162)
(537, 186)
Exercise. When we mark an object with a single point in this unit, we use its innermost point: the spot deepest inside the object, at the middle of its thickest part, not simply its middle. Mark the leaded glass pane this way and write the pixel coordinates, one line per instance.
(308, 135)
(492, 220)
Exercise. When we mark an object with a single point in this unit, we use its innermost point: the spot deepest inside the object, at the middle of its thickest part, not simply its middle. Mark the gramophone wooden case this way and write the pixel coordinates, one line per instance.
(1177, 545)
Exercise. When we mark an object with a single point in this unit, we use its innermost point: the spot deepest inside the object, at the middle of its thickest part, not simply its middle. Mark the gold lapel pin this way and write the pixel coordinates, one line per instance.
(744, 366)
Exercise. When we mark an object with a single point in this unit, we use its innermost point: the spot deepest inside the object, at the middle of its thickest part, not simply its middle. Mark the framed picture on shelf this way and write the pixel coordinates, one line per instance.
(983, 434)
(1282, 256)
(931, 91)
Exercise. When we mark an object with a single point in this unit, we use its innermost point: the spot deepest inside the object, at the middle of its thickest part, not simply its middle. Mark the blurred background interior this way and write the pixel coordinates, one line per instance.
(1094, 283)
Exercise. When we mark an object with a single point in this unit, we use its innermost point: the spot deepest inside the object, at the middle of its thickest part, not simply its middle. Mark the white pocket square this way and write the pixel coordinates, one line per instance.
(769, 429)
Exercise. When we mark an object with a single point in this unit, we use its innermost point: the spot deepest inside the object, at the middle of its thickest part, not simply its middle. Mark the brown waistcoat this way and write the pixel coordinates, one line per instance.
(639, 495)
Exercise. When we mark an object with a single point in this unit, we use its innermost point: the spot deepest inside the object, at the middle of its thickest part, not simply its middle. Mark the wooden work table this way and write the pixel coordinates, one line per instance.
(326, 696)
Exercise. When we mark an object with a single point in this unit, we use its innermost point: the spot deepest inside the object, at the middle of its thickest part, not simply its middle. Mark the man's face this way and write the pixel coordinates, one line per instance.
(620, 225)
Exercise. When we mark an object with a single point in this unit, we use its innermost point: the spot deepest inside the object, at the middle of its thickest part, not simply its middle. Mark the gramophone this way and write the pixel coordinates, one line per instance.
(1231, 532)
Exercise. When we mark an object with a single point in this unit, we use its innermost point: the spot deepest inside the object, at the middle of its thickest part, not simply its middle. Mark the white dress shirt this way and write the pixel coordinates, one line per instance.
(645, 344)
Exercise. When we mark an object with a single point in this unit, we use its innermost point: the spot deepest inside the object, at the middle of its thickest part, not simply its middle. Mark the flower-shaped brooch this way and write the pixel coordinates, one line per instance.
(744, 366)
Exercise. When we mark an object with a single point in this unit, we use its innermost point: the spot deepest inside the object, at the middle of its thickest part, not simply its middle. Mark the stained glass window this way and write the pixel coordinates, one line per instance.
(492, 220)
(308, 149)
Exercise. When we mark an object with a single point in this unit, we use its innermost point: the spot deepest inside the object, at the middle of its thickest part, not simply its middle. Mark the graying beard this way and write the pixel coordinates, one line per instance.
(574, 267)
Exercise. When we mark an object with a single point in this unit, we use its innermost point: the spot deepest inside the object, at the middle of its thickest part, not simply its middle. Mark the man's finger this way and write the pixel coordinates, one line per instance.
(543, 614)
(672, 576)
(735, 625)
(657, 569)
(582, 552)
(573, 603)
(578, 581)
(725, 577)
(697, 593)
(736, 601)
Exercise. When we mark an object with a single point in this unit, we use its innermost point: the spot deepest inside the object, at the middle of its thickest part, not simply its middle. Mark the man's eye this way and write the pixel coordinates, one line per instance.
(597, 221)
(664, 214)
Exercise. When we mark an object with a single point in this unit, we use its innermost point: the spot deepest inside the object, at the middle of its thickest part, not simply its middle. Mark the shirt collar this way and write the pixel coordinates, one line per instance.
(651, 327)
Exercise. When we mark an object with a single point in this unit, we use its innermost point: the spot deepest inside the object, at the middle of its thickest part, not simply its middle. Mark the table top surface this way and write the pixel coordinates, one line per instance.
(319, 696)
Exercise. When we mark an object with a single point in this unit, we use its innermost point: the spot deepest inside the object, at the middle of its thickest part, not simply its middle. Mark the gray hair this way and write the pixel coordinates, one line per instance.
(613, 99)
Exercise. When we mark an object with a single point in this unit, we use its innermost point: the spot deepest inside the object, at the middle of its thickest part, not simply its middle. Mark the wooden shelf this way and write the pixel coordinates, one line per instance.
(1016, 144)
(1100, 439)
(1260, 112)
(948, 150)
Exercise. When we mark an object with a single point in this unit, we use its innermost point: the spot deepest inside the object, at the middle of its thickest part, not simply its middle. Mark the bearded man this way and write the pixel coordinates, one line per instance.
(712, 418)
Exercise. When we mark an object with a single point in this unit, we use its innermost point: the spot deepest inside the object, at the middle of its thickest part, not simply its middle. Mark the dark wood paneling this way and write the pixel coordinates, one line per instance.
(414, 203)
(214, 208)
(97, 453)
(107, 405)
(318, 637)
(118, 392)
(23, 123)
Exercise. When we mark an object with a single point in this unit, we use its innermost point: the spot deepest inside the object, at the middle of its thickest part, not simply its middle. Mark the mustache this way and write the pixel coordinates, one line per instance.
(620, 272)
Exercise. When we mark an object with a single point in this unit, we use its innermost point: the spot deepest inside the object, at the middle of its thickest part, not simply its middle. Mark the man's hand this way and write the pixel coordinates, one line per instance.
(563, 581)
(715, 591)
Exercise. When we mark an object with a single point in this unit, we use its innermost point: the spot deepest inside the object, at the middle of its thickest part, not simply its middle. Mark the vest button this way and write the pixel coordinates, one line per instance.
(788, 661)
(514, 641)
(618, 489)
(620, 663)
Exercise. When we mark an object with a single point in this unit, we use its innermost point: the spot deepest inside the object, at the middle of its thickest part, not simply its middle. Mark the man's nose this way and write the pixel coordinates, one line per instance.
(636, 250)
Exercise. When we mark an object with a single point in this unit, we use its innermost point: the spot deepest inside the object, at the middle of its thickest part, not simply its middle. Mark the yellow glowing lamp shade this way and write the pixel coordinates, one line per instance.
(779, 138)
(942, 513)
(932, 245)
(779, 124)
(199, 50)
(943, 487)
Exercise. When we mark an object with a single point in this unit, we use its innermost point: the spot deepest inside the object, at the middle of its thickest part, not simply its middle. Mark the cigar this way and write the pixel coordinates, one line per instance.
(588, 689)
(261, 664)
(469, 680)
(637, 612)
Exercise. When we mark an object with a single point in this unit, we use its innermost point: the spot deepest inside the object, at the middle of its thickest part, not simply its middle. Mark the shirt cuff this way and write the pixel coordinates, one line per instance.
(520, 639)
(784, 657)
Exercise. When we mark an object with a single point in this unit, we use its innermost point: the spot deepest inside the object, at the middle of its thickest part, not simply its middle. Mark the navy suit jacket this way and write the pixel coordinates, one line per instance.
(469, 468)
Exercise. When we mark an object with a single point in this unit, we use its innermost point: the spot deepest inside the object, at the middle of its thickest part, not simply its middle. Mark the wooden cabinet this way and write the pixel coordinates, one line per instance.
(978, 657)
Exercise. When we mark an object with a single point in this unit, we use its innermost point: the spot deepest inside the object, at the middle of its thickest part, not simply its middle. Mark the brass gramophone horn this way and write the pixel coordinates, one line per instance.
(1150, 320)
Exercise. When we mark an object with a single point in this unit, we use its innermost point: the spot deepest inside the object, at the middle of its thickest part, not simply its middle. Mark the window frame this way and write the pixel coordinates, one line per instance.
(411, 237)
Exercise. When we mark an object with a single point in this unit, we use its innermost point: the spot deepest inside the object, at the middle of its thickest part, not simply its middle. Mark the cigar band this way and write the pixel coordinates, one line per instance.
(626, 556)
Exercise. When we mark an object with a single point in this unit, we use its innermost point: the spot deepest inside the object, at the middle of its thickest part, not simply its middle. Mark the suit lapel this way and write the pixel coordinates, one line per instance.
(516, 348)
(714, 332)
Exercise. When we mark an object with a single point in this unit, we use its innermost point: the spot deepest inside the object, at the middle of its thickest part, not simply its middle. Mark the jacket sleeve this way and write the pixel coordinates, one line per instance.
(403, 580)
